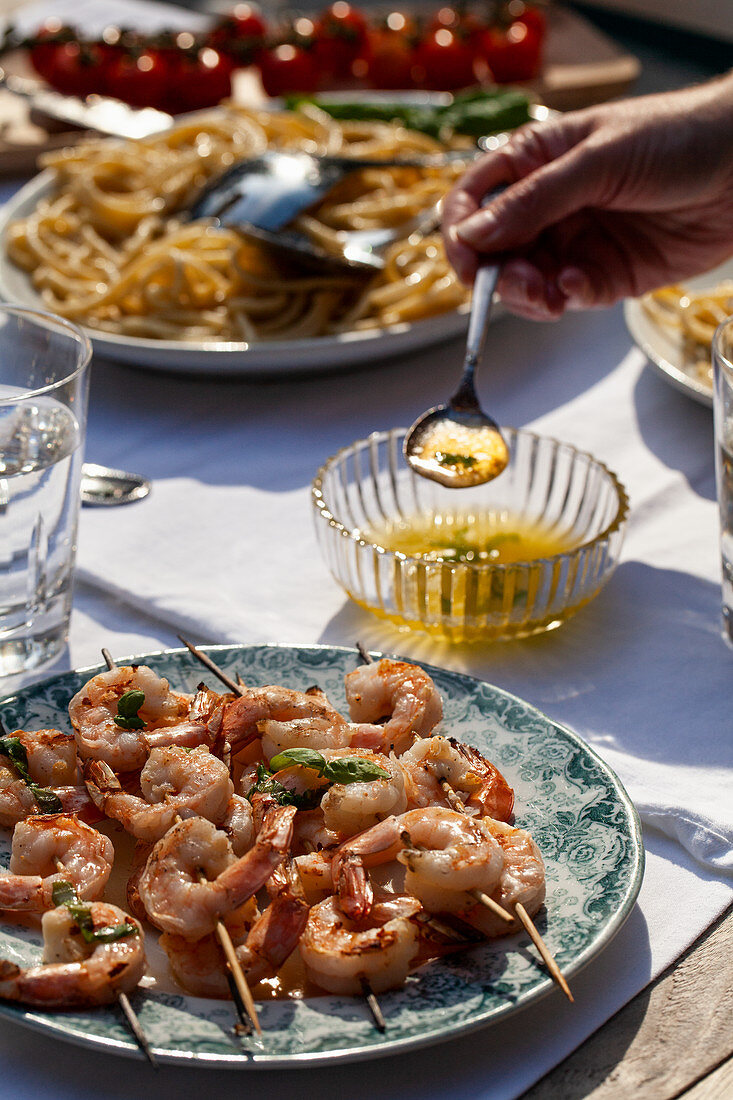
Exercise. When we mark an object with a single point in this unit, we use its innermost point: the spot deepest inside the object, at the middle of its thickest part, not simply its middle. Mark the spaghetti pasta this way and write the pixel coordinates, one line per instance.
(695, 315)
(108, 248)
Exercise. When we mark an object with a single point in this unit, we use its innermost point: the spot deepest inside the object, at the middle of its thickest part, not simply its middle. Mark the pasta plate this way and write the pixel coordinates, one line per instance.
(568, 798)
(665, 349)
(268, 357)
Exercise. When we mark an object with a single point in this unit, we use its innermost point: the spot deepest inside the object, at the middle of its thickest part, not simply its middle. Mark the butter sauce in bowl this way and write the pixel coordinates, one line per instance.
(506, 559)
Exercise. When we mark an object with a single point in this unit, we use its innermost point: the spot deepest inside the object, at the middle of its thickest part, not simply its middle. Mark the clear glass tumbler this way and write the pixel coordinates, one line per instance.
(723, 409)
(43, 409)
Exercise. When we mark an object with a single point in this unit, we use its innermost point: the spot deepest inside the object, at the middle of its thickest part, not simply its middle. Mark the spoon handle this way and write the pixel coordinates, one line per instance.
(465, 397)
(478, 323)
(484, 286)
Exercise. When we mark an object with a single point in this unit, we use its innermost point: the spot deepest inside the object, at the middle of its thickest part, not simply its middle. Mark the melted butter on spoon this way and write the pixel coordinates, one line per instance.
(460, 455)
(458, 444)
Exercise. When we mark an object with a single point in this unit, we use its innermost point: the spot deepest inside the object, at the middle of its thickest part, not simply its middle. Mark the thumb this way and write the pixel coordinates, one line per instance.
(539, 200)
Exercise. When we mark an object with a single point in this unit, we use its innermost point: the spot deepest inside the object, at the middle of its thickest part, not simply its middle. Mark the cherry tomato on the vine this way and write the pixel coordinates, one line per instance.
(513, 54)
(340, 39)
(76, 69)
(142, 80)
(286, 69)
(390, 59)
(42, 51)
(532, 17)
(199, 79)
(240, 34)
(446, 59)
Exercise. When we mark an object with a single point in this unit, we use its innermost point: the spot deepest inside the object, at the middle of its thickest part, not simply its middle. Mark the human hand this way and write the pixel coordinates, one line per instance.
(602, 203)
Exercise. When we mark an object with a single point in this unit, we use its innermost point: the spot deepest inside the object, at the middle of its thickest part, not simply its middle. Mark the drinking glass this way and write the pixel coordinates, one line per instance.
(43, 407)
(723, 411)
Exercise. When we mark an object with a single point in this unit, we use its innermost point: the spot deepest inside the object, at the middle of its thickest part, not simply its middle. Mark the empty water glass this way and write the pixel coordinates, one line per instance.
(43, 407)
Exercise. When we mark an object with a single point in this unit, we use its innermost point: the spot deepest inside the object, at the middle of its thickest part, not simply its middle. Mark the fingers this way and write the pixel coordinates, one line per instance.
(516, 216)
(531, 205)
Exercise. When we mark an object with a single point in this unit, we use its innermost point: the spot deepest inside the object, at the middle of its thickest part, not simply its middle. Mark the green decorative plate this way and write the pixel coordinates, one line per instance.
(572, 803)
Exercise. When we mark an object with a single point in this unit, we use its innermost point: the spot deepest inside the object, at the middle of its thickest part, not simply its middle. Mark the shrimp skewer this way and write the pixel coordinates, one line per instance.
(51, 848)
(175, 897)
(174, 781)
(76, 972)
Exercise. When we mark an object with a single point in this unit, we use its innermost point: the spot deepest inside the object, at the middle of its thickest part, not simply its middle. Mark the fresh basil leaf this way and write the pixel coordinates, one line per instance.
(266, 784)
(353, 769)
(127, 707)
(13, 748)
(307, 758)
(48, 801)
(63, 893)
(108, 933)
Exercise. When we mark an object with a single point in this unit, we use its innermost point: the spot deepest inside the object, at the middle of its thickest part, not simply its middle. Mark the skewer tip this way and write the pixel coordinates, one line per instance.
(374, 1008)
(136, 1029)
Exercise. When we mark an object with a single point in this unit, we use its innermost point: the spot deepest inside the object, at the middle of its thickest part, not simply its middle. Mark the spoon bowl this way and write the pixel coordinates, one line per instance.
(458, 444)
(103, 486)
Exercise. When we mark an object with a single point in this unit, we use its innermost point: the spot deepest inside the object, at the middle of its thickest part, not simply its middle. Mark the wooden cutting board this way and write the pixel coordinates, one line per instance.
(582, 66)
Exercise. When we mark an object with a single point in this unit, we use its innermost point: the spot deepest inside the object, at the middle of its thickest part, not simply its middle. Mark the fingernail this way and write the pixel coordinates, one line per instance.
(478, 229)
(573, 285)
(453, 234)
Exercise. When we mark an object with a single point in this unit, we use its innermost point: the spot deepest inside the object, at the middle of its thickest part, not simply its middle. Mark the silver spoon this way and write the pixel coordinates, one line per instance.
(101, 485)
(458, 444)
(261, 196)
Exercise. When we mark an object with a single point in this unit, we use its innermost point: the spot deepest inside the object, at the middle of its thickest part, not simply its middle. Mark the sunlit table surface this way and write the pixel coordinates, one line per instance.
(224, 550)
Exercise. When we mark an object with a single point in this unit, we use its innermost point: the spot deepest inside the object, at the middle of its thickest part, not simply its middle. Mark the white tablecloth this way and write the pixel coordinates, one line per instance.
(224, 549)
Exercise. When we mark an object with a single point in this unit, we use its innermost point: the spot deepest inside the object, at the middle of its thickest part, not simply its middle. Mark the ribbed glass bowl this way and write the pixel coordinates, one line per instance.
(368, 484)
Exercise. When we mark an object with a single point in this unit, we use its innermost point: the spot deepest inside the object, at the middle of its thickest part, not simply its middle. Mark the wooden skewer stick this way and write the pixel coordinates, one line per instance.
(240, 981)
(127, 1010)
(135, 1027)
(237, 688)
(371, 1000)
(543, 949)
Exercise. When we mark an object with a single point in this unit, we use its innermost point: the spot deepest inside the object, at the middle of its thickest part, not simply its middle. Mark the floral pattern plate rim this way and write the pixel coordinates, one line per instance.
(569, 799)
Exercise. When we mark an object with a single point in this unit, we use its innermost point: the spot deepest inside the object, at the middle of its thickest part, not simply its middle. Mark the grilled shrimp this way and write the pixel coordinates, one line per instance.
(481, 786)
(340, 955)
(276, 933)
(261, 946)
(175, 782)
(199, 966)
(238, 824)
(94, 708)
(243, 715)
(51, 848)
(349, 808)
(51, 757)
(446, 855)
(52, 764)
(403, 692)
(76, 972)
(522, 879)
(192, 877)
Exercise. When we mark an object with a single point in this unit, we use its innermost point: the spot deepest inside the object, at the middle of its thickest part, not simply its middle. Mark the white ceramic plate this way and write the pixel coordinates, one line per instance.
(281, 357)
(572, 803)
(665, 350)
